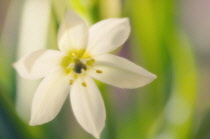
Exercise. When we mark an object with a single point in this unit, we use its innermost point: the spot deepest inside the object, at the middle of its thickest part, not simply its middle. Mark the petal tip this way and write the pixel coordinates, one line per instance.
(20, 69)
(32, 123)
(152, 77)
(97, 135)
(15, 65)
(126, 19)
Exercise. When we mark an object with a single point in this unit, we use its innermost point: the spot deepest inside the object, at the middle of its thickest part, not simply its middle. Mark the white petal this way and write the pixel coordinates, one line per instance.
(49, 97)
(88, 106)
(73, 33)
(38, 64)
(107, 35)
(120, 72)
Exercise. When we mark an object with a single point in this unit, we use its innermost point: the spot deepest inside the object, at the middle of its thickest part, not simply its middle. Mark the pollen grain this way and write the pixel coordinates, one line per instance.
(99, 71)
(71, 82)
(84, 84)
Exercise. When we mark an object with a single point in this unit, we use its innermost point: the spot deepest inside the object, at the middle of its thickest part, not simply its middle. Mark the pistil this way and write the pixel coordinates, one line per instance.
(78, 66)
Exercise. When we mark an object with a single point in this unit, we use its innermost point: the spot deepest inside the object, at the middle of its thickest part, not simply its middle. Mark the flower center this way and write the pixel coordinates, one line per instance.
(78, 66)
(76, 63)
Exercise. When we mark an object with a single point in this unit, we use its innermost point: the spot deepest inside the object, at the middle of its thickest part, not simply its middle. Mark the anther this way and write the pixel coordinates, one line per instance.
(79, 66)
(68, 70)
(99, 71)
(93, 60)
(84, 84)
(71, 82)
(73, 54)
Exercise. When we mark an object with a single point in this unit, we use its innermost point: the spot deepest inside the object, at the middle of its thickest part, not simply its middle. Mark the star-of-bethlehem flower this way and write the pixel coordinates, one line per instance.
(83, 56)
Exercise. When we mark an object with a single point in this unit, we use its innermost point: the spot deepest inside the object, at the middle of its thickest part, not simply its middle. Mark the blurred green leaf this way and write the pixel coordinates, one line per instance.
(203, 129)
(165, 51)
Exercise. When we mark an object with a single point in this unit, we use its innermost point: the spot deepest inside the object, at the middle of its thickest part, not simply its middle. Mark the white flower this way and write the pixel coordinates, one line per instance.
(84, 55)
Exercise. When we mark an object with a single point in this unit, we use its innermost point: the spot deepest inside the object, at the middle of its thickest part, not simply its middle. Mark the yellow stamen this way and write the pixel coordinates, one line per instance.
(84, 84)
(90, 62)
(68, 70)
(75, 76)
(71, 82)
(99, 71)
(73, 54)
(93, 60)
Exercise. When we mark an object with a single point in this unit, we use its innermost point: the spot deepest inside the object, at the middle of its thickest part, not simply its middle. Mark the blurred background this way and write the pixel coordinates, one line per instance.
(170, 38)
